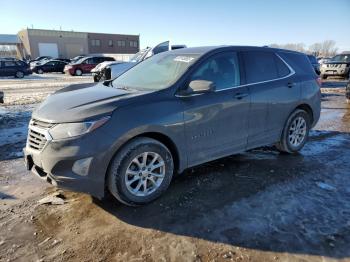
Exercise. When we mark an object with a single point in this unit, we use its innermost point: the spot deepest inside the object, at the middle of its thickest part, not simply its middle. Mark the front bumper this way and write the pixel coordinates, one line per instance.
(78, 164)
(333, 71)
(69, 71)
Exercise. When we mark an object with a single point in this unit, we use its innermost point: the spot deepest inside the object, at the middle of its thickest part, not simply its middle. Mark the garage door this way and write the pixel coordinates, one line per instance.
(48, 49)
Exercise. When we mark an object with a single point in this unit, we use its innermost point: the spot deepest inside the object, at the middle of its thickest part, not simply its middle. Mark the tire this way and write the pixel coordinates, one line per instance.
(78, 72)
(323, 76)
(40, 71)
(124, 162)
(19, 74)
(287, 138)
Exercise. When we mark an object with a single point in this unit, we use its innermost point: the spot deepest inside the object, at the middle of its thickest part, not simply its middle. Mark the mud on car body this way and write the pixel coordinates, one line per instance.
(173, 111)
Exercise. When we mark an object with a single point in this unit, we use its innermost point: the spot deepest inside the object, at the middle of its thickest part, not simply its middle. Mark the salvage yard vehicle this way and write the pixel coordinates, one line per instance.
(337, 66)
(173, 111)
(49, 67)
(85, 64)
(112, 70)
(18, 68)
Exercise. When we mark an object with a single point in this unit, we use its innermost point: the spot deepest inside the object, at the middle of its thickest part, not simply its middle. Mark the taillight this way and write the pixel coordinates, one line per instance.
(319, 81)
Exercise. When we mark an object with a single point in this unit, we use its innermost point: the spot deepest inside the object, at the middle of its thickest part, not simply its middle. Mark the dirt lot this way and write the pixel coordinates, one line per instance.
(256, 206)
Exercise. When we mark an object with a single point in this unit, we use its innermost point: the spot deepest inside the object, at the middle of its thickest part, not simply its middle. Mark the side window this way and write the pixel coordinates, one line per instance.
(90, 61)
(282, 69)
(20, 63)
(9, 63)
(260, 66)
(222, 70)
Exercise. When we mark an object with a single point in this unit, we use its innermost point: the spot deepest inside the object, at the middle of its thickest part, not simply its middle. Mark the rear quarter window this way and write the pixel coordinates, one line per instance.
(260, 66)
(299, 62)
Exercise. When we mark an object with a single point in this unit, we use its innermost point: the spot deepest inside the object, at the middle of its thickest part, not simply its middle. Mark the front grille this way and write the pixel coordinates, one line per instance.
(36, 140)
(37, 135)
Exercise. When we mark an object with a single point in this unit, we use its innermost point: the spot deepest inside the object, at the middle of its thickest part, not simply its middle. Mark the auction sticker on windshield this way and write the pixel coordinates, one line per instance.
(185, 59)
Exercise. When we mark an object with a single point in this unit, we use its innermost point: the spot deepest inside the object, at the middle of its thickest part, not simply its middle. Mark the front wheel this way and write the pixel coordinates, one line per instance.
(295, 132)
(140, 172)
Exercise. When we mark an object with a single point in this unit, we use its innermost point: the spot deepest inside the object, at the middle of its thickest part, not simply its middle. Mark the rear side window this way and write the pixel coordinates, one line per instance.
(260, 66)
(299, 62)
(9, 63)
(282, 68)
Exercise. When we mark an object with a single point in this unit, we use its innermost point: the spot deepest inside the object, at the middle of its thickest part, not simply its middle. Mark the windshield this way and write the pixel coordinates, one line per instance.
(138, 56)
(158, 72)
(341, 58)
(79, 61)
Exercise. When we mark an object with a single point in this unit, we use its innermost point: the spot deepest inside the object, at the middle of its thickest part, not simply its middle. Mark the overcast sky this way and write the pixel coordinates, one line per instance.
(190, 22)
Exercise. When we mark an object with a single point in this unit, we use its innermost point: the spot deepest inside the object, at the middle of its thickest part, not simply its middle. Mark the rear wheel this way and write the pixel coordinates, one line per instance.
(19, 74)
(40, 71)
(140, 172)
(295, 132)
(78, 72)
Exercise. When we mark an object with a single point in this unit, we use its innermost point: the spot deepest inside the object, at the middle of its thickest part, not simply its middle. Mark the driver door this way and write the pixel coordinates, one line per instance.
(216, 122)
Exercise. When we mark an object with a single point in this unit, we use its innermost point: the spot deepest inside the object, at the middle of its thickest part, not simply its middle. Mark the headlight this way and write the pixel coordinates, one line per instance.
(68, 130)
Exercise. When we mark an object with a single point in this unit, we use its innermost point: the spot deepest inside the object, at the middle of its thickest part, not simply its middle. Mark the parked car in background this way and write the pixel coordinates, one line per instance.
(173, 111)
(76, 58)
(338, 65)
(63, 60)
(112, 70)
(49, 67)
(17, 68)
(39, 58)
(85, 65)
(314, 63)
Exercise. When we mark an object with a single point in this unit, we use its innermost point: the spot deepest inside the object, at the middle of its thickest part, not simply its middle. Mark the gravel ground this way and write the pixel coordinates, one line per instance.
(256, 206)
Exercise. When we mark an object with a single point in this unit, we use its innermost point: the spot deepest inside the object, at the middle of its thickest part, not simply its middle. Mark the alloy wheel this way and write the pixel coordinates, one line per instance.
(297, 131)
(145, 174)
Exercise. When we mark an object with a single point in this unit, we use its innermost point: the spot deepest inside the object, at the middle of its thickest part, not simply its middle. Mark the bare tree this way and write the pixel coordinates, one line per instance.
(326, 48)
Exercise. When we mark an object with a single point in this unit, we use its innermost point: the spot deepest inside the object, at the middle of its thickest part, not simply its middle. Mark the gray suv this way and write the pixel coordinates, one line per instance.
(175, 110)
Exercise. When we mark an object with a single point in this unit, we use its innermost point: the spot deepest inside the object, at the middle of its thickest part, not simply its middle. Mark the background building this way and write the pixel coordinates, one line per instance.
(67, 44)
(10, 46)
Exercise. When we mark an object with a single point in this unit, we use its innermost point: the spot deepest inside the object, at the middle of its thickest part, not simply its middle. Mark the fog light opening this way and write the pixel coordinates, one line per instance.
(81, 167)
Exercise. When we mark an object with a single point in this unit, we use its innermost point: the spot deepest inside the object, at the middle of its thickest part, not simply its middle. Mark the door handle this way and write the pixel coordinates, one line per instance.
(290, 85)
(240, 95)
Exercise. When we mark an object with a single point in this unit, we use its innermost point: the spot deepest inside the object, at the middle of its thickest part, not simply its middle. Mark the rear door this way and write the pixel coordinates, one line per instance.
(273, 95)
(9, 68)
(216, 122)
(89, 64)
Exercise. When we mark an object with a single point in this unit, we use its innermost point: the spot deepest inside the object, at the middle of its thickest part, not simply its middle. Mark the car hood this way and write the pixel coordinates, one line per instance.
(80, 102)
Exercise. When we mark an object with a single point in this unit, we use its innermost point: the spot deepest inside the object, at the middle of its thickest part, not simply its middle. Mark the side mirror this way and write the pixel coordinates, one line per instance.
(197, 87)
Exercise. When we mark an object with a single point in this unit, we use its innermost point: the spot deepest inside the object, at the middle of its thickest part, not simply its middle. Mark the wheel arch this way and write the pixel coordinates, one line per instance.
(160, 137)
(307, 108)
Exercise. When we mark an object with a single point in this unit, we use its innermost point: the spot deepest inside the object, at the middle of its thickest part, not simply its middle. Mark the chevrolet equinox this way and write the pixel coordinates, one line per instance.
(173, 111)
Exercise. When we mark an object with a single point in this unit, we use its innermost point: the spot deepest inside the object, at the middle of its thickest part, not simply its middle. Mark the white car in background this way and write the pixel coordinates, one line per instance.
(111, 70)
